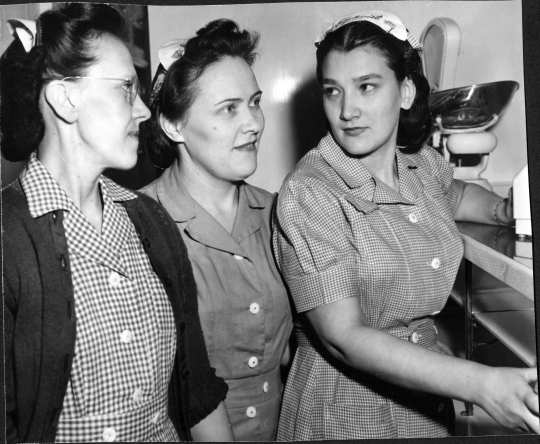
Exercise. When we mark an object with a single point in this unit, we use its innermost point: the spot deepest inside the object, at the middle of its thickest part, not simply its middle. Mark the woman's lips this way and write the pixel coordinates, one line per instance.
(354, 131)
(246, 147)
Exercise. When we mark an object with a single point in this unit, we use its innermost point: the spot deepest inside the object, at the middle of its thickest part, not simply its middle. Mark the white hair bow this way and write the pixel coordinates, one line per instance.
(25, 31)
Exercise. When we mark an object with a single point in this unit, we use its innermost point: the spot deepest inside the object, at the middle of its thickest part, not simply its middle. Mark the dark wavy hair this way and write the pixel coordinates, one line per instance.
(65, 48)
(218, 39)
(415, 124)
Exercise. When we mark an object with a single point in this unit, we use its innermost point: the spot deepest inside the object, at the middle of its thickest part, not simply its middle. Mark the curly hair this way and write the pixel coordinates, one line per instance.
(415, 124)
(66, 49)
(218, 39)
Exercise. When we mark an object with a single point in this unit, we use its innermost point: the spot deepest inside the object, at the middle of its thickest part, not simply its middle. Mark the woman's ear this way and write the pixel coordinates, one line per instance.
(60, 98)
(172, 129)
(408, 93)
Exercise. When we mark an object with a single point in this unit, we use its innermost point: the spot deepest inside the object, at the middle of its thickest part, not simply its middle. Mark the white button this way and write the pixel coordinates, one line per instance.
(137, 395)
(441, 407)
(114, 279)
(266, 386)
(251, 412)
(253, 361)
(238, 258)
(109, 434)
(155, 419)
(435, 313)
(126, 336)
(254, 308)
(412, 217)
(436, 263)
(414, 337)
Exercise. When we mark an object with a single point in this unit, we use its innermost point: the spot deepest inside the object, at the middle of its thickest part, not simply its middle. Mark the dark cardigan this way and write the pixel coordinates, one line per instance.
(40, 318)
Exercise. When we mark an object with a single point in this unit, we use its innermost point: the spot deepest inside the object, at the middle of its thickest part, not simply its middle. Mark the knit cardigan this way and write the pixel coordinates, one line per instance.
(40, 318)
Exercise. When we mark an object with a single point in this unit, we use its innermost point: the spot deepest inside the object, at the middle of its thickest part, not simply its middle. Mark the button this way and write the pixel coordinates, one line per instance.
(251, 412)
(126, 336)
(414, 337)
(63, 262)
(109, 434)
(155, 418)
(238, 258)
(254, 308)
(412, 217)
(54, 216)
(114, 279)
(435, 313)
(266, 386)
(436, 263)
(253, 361)
(441, 407)
(137, 395)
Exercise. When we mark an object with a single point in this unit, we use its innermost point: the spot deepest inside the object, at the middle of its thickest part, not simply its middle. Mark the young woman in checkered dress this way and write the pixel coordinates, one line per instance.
(205, 130)
(103, 340)
(366, 240)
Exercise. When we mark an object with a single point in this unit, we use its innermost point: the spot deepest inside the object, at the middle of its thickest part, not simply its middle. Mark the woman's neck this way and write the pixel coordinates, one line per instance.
(75, 177)
(218, 197)
(383, 165)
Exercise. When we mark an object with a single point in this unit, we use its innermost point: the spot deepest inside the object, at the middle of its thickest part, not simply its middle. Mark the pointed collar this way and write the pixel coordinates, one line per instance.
(201, 225)
(363, 184)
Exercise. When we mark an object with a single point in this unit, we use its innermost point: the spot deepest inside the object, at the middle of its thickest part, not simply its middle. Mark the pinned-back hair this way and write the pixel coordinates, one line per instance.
(415, 124)
(66, 49)
(218, 39)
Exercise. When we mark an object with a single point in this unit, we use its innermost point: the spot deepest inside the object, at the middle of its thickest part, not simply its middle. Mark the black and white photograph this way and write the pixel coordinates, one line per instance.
(290, 221)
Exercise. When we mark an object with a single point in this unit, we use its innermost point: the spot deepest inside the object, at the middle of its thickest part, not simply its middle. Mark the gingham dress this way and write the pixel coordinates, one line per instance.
(342, 233)
(126, 337)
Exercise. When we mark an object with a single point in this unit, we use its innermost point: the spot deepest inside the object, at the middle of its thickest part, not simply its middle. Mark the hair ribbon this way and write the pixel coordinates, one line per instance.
(384, 20)
(167, 55)
(26, 31)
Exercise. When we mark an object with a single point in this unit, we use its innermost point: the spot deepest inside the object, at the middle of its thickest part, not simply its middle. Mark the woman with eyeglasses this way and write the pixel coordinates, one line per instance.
(102, 335)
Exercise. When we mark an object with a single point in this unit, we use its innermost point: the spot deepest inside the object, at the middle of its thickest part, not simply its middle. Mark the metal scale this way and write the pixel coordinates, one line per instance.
(463, 116)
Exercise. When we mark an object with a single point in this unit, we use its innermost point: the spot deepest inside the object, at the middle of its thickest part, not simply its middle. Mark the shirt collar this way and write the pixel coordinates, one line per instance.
(357, 177)
(45, 195)
(173, 195)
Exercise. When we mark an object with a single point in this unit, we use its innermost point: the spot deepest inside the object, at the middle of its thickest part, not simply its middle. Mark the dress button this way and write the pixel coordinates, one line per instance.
(114, 279)
(63, 262)
(54, 216)
(137, 395)
(441, 407)
(238, 258)
(109, 434)
(412, 217)
(126, 336)
(254, 308)
(436, 263)
(155, 418)
(253, 361)
(266, 386)
(414, 337)
(251, 412)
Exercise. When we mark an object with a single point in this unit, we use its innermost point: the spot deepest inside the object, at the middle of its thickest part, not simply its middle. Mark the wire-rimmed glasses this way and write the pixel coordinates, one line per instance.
(131, 86)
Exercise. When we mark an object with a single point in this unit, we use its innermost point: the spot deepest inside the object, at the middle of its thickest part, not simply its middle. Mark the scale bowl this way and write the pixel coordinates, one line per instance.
(471, 106)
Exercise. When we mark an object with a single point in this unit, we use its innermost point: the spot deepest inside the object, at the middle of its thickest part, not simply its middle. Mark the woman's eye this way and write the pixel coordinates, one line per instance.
(229, 109)
(330, 91)
(256, 102)
(367, 87)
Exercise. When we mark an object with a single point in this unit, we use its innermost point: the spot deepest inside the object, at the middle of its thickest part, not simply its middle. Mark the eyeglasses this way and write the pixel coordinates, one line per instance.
(131, 86)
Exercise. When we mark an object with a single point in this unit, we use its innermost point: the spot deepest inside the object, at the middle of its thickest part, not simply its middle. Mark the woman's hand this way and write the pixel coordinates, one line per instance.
(508, 395)
(505, 209)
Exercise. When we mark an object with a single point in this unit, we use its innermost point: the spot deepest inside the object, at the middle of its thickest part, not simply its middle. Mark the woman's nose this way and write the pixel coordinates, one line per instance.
(140, 110)
(349, 108)
(254, 121)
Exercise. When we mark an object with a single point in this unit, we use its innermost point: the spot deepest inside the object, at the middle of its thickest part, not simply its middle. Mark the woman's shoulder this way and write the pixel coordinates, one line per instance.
(428, 158)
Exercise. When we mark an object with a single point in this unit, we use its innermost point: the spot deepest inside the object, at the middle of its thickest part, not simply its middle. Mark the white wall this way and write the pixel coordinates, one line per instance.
(491, 50)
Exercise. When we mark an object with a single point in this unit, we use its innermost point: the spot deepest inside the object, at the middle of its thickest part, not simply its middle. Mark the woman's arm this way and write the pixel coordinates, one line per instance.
(505, 393)
(215, 427)
(476, 204)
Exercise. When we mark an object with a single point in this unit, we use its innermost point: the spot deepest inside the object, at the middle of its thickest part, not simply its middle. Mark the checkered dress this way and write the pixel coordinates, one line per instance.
(126, 336)
(342, 233)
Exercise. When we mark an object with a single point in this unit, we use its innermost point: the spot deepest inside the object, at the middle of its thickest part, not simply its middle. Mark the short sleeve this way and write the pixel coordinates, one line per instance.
(311, 246)
(443, 172)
